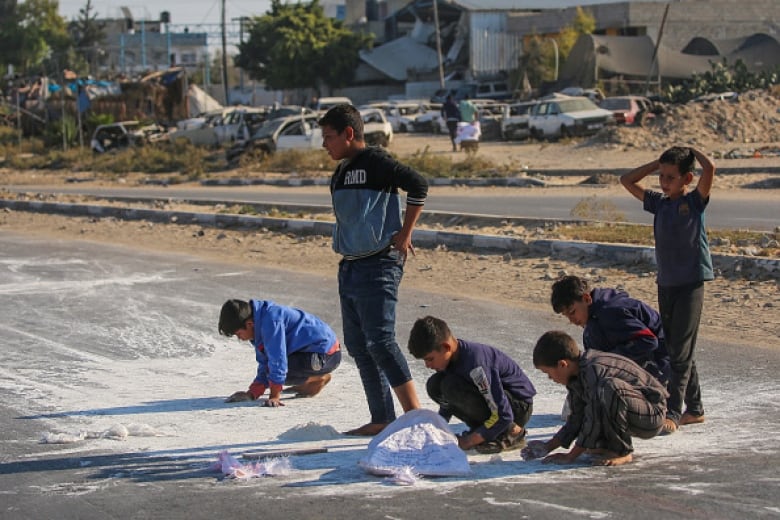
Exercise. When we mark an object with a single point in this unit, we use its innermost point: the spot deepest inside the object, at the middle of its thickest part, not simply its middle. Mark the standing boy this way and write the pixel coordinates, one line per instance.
(478, 384)
(292, 347)
(684, 263)
(614, 322)
(612, 399)
(451, 114)
(374, 242)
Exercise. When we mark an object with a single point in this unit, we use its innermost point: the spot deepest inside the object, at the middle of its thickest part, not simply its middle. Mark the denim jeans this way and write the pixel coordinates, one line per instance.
(680, 309)
(368, 289)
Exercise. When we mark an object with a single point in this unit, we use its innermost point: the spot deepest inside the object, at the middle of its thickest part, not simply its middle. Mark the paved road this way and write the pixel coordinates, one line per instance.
(132, 336)
(726, 211)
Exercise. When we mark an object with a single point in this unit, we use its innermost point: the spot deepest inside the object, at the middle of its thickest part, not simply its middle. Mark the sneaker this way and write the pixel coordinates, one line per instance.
(504, 442)
(689, 418)
(669, 427)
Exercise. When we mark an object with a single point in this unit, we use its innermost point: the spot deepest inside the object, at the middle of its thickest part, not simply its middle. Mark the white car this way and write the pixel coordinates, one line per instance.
(376, 129)
(514, 123)
(565, 116)
(401, 114)
(431, 122)
(285, 133)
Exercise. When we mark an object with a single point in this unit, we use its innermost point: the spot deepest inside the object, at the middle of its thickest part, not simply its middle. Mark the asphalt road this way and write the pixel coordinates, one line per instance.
(58, 298)
(726, 211)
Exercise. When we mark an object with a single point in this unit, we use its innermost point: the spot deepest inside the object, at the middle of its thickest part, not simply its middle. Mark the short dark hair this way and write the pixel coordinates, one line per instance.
(427, 335)
(680, 156)
(339, 117)
(567, 291)
(233, 316)
(554, 346)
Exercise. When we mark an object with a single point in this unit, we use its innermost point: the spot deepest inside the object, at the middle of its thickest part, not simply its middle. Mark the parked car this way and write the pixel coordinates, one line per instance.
(514, 124)
(628, 110)
(594, 94)
(430, 122)
(564, 116)
(376, 129)
(401, 114)
(491, 112)
(225, 126)
(125, 134)
(285, 133)
(326, 103)
(487, 89)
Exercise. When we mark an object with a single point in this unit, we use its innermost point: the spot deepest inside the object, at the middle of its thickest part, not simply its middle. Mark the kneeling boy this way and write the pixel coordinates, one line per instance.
(292, 347)
(612, 399)
(478, 384)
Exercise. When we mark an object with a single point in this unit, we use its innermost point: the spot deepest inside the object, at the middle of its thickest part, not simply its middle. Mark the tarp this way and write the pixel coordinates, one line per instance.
(200, 102)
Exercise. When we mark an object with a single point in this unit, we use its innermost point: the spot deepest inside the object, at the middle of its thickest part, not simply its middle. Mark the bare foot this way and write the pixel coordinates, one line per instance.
(689, 418)
(617, 460)
(311, 387)
(367, 430)
(669, 427)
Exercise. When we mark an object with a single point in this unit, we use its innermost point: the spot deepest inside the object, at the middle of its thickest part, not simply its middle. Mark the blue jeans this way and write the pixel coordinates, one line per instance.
(368, 289)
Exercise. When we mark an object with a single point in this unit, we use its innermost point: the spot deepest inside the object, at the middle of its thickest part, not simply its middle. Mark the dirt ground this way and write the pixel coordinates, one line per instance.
(746, 310)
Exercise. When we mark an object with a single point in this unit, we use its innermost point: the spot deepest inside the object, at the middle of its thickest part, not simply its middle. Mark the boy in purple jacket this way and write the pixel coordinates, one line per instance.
(478, 384)
(292, 347)
(614, 322)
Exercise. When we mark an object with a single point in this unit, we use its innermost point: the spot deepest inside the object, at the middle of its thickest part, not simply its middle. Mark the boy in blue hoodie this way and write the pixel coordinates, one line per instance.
(612, 321)
(478, 384)
(292, 347)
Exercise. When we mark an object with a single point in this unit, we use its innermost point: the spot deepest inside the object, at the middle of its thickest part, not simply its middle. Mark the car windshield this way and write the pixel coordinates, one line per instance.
(576, 105)
(616, 104)
(268, 128)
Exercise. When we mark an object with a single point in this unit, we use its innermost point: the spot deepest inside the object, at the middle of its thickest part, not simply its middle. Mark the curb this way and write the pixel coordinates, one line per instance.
(515, 182)
(745, 266)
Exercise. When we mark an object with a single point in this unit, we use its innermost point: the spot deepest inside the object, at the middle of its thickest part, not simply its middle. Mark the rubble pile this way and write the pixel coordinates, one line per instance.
(753, 118)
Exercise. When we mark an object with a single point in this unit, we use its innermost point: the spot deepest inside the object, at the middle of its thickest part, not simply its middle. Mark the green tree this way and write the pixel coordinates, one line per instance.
(88, 34)
(32, 34)
(538, 58)
(297, 46)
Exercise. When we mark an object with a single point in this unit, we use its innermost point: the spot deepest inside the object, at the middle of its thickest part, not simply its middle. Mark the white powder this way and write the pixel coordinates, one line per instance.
(310, 432)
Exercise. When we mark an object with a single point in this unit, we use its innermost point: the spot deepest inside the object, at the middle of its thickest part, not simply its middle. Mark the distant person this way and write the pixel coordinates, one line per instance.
(292, 347)
(614, 322)
(684, 262)
(478, 384)
(468, 111)
(612, 399)
(374, 241)
(451, 114)
(468, 136)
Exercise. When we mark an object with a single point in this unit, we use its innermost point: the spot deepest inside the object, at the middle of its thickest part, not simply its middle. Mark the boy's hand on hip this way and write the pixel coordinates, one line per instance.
(238, 397)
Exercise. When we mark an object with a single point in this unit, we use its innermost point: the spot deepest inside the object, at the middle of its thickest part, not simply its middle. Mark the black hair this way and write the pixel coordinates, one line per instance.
(341, 116)
(233, 316)
(554, 346)
(427, 335)
(680, 156)
(567, 291)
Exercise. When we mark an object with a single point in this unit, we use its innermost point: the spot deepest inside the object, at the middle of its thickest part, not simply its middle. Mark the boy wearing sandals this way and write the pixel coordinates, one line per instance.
(478, 384)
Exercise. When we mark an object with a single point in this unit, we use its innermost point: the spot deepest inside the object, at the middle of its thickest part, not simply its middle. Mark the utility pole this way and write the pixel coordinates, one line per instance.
(224, 56)
(655, 54)
(438, 42)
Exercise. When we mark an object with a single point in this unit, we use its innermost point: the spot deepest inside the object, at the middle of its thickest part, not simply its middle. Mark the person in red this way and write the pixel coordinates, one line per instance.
(292, 347)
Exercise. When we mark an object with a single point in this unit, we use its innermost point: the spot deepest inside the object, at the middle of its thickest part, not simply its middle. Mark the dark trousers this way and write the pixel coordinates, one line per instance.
(680, 309)
(452, 126)
(462, 399)
(621, 412)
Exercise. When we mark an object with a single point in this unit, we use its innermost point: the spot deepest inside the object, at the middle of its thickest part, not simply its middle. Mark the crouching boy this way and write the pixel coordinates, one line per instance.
(612, 399)
(478, 384)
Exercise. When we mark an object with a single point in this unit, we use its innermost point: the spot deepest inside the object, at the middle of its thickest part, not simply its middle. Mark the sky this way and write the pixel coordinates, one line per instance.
(182, 11)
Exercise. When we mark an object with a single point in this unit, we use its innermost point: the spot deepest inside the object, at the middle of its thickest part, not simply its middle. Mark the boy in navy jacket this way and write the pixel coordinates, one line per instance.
(292, 347)
(478, 384)
(612, 321)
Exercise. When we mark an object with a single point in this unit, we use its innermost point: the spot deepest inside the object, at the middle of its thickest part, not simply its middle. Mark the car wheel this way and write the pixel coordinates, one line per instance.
(402, 129)
(536, 134)
(565, 132)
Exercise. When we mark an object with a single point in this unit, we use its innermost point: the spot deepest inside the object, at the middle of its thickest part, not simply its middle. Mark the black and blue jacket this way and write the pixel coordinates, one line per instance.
(367, 204)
